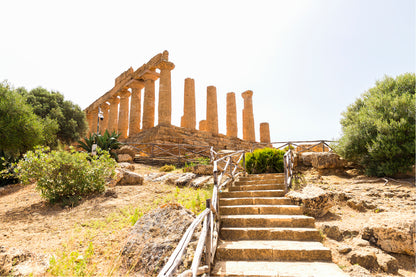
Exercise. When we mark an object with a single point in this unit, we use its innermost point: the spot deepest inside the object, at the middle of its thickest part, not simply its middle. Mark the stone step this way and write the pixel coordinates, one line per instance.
(252, 193)
(261, 209)
(263, 233)
(255, 201)
(269, 250)
(281, 269)
(257, 187)
(262, 176)
(267, 220)
(253, 182)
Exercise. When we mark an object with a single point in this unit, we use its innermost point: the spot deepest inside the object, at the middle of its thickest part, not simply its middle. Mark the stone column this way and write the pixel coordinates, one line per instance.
(135, 107)
(149, 100)
(189, 112)
(88, 115)
(113, 116)
(93, 120)
(165, 93)
(248, 118)
(203, 125)
(212, 114)
(232, 129)
(104, 123)
(264, 132)
(123, 118)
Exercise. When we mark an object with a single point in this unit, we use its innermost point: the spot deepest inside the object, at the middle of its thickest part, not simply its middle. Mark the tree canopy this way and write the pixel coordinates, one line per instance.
(64, 118)
(379, 128)
(20, 128)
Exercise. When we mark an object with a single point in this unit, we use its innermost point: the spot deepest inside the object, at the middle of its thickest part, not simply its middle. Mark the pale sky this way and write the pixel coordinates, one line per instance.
(305, 61)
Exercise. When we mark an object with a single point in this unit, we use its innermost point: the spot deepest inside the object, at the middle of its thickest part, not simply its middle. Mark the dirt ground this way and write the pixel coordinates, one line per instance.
(29, 223)
(393, 200)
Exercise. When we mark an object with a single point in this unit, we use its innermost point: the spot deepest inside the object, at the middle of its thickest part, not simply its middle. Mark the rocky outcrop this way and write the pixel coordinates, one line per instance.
(200, 169)
(16, 262)
(129, 178)
(322, 160)
(154, 237)
(395, 237)
(315, 201)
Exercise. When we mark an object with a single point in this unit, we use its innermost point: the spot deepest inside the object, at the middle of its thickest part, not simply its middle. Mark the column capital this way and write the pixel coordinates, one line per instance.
(124, 93)
(150, 75)
(166, 65)
(114, 100)
(247, 93)
(136, 84)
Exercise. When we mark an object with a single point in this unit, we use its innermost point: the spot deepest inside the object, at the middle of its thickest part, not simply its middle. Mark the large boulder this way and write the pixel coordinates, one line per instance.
(322, 160)
(129, 178)
(200, 169)
(154, 237)
(315, 201)
(365, 258)
(395, 237)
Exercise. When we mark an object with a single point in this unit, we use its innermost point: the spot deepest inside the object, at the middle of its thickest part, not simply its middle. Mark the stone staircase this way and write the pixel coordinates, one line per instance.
(262, 234)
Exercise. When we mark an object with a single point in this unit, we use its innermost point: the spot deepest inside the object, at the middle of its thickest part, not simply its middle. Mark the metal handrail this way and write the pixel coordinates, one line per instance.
(211, 218)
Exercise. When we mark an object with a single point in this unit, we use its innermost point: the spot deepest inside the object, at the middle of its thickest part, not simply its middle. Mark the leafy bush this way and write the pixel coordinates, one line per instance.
(66, 177)
(266, 160)
(107, 142)
(167, 168)
(379, 128)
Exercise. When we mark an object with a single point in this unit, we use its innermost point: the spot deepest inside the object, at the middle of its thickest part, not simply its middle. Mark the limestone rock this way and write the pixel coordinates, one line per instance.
(365, 258)
(395, 237)
(332, 232)
(184, 180)
(154, 237)
(127, 149)
(322, 160)
(315, 201)
(130, 179)
(358, 271)
(344, 249)
(17, 262)
(387, 263)
(201, 181)
(124, 158)
(127, 166)
(200, 169)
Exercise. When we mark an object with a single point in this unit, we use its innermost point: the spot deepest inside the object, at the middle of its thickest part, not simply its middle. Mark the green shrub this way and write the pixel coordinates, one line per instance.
(266, 160)
(66, 177)
(379, 128)
(167, 168)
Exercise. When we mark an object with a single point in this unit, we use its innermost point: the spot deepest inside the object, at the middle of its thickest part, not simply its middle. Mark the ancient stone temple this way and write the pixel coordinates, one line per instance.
(128, 112)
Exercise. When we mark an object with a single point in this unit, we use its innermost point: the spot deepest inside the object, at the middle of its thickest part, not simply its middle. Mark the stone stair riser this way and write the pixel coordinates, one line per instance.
(259, 182)
(257, 187)
(253, 193)
(289, 210)
(256, 254)
(267, 222)
(255, 201)
(270, 234)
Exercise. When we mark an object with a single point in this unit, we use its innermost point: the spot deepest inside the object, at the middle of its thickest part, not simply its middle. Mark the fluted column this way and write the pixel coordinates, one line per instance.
(123, 118)
(104, 123)
(264, 132)
(212, 113)
(135, 107)
(94, 119)
(165, 93)
(232, 129)
(189, 117)
(113, 116)
(149, 100)
(248, 118)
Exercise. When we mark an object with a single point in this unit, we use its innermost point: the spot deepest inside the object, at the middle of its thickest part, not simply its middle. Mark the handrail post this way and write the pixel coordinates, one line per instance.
(208, 239)
(244, 161)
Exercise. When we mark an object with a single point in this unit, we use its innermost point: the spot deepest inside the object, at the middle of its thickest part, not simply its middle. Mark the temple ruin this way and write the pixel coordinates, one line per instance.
(122, 110)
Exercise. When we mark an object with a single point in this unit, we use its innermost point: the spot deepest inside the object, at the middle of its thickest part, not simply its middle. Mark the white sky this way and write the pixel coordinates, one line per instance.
(305, 61)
